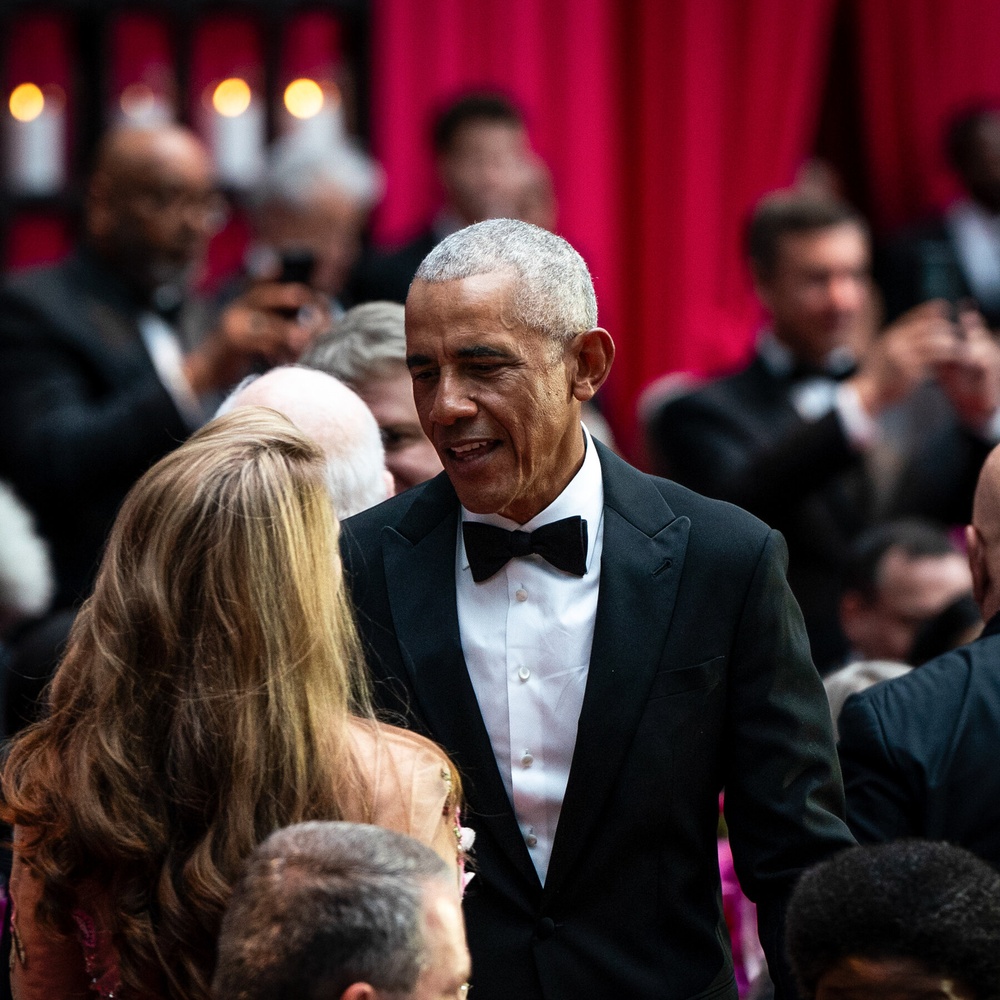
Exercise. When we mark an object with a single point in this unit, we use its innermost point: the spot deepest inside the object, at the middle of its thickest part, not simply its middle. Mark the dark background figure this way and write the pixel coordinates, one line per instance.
(919, 752)
(342, 911)
(595, 726)
(366, 350)
(905, 921)
(106, 359)
(484, 168)
(955, 255)
(899, 575)
(794, 437)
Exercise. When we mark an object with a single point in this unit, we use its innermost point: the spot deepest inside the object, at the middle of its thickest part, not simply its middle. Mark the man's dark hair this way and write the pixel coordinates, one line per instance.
(321, 906)
(935, 903)
(485, 106)
(915, 538)
(782, 214)
(961, 136)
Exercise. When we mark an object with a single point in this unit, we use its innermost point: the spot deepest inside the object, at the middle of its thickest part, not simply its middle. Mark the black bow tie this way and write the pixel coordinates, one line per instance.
(561, 543)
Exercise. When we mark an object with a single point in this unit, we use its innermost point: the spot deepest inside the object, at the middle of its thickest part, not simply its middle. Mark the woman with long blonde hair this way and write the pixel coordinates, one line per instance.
(213, 690)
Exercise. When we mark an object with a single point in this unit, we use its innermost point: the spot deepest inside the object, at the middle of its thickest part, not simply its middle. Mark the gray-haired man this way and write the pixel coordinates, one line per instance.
(601, 652)
(342, 911)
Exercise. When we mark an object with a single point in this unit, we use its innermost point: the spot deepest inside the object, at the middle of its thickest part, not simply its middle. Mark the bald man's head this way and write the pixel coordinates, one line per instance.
(983, 537)
(337, 420)
(152, 204)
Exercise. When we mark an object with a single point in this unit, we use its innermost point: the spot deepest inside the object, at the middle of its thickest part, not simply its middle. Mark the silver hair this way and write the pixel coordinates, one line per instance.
(297, 166)
(362, 344)
(323, 905)
(351, 440)
(553, 292)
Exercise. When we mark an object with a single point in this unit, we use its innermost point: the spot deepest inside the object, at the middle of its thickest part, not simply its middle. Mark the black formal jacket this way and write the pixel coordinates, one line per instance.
(82, 411)
(920, 754)
(921, 263)
(741, 439)
(699, 678)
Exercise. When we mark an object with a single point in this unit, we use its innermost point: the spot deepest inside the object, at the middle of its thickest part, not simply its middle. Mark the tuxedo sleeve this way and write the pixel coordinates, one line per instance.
(784, 798)
(876, 789)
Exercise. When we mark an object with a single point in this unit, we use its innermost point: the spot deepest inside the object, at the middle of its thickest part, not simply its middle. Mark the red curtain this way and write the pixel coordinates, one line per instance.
(920, 61)
(662, 123)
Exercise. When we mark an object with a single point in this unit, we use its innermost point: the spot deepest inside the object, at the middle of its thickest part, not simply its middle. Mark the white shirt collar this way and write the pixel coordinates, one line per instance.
(780, 361)
(583, 495)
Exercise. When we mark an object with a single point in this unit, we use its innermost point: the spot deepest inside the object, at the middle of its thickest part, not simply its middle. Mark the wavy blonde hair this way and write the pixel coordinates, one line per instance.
(203, 701)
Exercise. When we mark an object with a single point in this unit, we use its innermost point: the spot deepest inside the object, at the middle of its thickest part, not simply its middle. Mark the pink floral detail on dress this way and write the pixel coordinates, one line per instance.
(103, 983)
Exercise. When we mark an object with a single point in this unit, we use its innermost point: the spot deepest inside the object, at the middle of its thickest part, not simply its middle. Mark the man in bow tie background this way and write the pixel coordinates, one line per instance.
(600, 651)
(833, 427)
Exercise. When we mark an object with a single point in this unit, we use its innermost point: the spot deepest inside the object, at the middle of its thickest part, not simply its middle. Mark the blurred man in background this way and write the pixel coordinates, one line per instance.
(367, 351)
(337, 420)
(108, 362)
(919, 752)
(313, 201)
(794, 438)
(956, 255)
(484, 167)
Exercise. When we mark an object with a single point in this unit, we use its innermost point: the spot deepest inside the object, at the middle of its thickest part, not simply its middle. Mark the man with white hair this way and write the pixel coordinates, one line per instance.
(314, 199)
(600, 652)
(337, 420)
(366, 349)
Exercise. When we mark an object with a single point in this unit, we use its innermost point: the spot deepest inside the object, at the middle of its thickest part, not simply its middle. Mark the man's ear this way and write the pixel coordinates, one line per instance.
(977, 563)
(590, 357)
(359, 991)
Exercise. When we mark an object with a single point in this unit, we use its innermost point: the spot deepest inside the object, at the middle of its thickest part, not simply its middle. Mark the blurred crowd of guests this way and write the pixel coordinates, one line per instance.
(859, 429)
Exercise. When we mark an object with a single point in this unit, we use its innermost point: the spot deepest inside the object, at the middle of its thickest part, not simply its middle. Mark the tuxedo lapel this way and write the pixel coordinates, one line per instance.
(641, 563)
(420, 576)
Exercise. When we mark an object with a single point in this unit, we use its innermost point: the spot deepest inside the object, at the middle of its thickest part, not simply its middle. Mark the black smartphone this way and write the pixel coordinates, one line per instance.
(297, 266)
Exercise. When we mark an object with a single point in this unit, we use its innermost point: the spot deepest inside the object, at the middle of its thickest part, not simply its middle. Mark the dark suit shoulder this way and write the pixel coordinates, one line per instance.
(938, 688)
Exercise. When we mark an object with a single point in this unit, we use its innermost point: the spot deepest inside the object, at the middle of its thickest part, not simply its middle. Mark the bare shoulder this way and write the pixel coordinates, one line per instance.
(413, 783)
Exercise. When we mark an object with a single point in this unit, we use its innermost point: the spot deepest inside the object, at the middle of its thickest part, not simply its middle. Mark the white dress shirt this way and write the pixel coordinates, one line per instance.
(526, 634)
(164, 348)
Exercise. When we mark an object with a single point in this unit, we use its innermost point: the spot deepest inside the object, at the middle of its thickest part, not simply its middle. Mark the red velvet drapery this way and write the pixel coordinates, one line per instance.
(920, 61)
(662, 123)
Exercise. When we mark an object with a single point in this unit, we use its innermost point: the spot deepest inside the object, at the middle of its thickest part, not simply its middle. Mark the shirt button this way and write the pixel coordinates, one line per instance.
(526, 759)
(531, 840)
(524, 673)
(521, 594)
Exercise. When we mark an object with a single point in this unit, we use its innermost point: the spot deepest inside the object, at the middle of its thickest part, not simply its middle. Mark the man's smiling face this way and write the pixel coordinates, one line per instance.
(495, 397)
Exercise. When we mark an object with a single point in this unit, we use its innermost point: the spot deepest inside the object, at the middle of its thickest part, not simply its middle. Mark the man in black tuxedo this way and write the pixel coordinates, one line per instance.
(600, 651)
(919, 752)
(798, 438)
(107, 362)
(954, 255)
(483, 163)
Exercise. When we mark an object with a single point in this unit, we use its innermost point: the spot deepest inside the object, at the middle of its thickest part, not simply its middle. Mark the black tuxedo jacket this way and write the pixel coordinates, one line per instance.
(82, 411)
(699, 678)
(741, 439)
(921, 263)
(920, 752)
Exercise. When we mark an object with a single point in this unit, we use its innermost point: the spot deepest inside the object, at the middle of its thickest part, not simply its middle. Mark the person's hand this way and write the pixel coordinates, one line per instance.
(971, 378)
(905, 354)
(272, 321)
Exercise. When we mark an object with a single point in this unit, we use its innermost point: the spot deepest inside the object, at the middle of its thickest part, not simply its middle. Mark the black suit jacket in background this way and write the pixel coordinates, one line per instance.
(920, 754)
(741, 439)
(921, 263)
(82, 411)
(699, 678)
